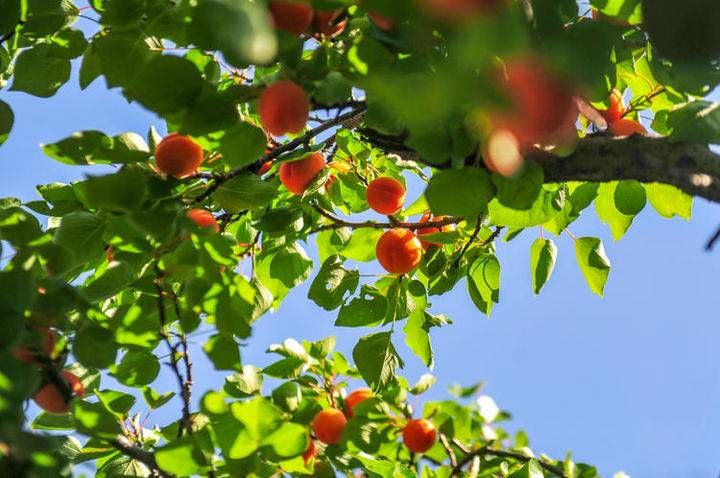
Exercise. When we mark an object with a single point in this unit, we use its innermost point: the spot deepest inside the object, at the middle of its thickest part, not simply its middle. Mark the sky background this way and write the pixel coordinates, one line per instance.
(629, 382)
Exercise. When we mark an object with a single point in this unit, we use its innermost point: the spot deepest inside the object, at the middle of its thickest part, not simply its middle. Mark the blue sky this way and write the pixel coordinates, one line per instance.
(629, 382)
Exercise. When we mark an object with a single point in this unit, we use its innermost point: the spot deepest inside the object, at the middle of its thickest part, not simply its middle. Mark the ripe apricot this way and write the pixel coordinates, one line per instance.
(284, 108)
(327, 22)
(41, 344)
(626, 127)
(293, 17)
(616, 109)
(357, 396)
(457, 10)
(328, 425)
(297, 175)
(399, 251)
(178, 156)
(51, 399)
(310, 453)
(431, 230)
(381, 21)
(541, 103)
(419, 435)
(203, 218)
(385, 195)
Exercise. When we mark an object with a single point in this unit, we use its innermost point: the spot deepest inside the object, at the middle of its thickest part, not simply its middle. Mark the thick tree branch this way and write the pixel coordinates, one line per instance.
(691, 167)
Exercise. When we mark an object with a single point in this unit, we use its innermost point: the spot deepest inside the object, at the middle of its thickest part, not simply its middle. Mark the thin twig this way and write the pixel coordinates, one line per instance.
(487, 451)
(448, 449)
(338, 223)
(143, 456)
(711, 242)
(473, 237)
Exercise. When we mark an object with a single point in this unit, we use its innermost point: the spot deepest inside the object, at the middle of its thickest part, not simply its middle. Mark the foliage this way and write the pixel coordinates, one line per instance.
(121, 276)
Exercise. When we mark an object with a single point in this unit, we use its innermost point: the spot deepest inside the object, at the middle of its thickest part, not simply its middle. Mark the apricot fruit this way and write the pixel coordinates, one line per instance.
(616, 109)
(541, 103)
(178, 156)
(327, 23)
(51, 399)
(284, 108)
(459, 10)
(357, 396)
(399, 251)
(381, 21)
(40, 344)
(385, 195)
(419, 435)
(292, 17)
(626, 127)
(203, 218)
(296, 176)
(431, 230)
(328, 425)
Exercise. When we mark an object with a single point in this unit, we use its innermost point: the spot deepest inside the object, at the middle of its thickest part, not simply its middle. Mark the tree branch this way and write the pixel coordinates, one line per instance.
(487, 451)
(143, 456)
(338, 223)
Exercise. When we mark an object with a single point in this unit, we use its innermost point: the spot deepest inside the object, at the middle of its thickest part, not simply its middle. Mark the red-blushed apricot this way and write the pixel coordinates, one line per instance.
(399, 251)
(616, 109)
(293, 17)
(541, 103)
(381, 21)
(51, 399)
(40, 344)
(327, 22)
(264, 168)
(203, 218)
(385, 195)
(328, 425)
(178, 156)
(626, 127)
(296, 176)
(284, 108)
(459, 10)
(431, 230)
(310, 453)
(357, 396)
(419, 435)
(502, 153)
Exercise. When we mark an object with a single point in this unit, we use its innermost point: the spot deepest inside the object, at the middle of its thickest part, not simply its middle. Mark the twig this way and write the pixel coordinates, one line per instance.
(658, 90)
(711, 242)
(473, 237)
(448, 449)
(487, 451)
(338, 223)
(221, 178)
(143, 456)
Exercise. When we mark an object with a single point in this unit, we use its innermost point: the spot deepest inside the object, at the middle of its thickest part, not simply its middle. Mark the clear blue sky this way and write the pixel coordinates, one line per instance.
(629, 382)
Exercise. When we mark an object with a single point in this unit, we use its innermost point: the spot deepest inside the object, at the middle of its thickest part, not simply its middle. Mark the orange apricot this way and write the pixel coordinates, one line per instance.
(284, 108)
(357, 396)
(419, 435)
(385, 195)
(41, 344)
(293, 17)
(626, 127)
(328, 425)
(381, 21)
(399, 251)
(296, 176)
(51, 399)
(203, 218)
(431, 230)
(541, 103)
(178, 156)
(327, 22)
(616, 109)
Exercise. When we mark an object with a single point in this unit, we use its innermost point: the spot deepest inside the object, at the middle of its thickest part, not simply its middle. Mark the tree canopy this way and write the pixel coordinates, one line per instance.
(300, 124)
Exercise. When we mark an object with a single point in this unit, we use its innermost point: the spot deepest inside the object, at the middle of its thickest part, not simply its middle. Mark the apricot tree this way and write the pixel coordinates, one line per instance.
(299, 122)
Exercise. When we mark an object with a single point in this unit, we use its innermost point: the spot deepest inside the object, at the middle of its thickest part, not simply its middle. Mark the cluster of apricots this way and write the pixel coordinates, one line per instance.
(38, 350)
(419, 435)
(618, 125)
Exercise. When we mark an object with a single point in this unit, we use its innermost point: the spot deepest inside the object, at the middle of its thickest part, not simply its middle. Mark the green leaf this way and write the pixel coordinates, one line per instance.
(617, 204)
(242, 145)
(291, 266)
(166, 84)
(543, 253)
(698, 121)
(483, 280)
(223, 351)
(123, 191)
(7, 118)
(546, 206)
(113, 280)
(94, 147)
(471, 189)
(376, 359)
(182, 457)
(531, 469)
(39, 73)
(288, 396)
(11, 15)
(669, 201)
(116, 402)
(94, 420)
(245, 383)
(240, 29)
(260, 419)
(423, 384)
(417, 328)
(246, 191)
(522, 191)
(628, 10)
(333, 283)
(369, 308)
(154, 399)
(136, 369)
(95, 346)
(81, 233)
(361, 246)
(333, 89)
(51, 421)
(593, 262)
(290, 440)
(68, 43)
